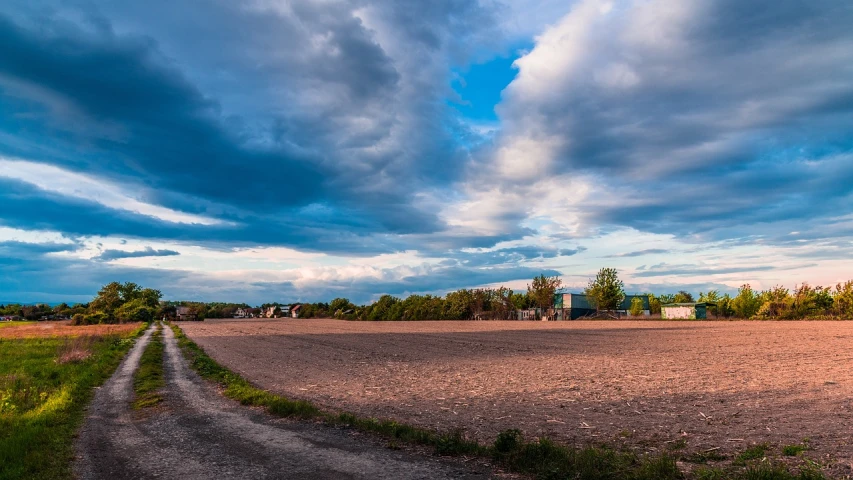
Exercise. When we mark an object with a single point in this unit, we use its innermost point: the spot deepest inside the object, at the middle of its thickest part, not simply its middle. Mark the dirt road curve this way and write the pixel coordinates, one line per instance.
(199, 434)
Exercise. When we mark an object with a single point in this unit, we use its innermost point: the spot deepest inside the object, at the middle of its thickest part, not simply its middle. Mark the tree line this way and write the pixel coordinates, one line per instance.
(129, 302)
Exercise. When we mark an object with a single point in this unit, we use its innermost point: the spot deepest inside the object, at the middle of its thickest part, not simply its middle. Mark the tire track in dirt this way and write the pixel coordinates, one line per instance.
(198, 434)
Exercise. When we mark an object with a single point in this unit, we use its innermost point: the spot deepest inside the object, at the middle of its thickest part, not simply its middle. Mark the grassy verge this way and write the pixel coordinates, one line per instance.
(540, 458)
(45, 384)
(148, 380)
(14, 323)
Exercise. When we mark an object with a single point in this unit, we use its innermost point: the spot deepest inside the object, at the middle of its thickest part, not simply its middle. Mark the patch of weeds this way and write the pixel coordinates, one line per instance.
(752, 453)
(779, 472)
(148, 379)
(455, 443)
(704, 457)
(679, 444)
(794, 450)
(548, 460)
(709, 473)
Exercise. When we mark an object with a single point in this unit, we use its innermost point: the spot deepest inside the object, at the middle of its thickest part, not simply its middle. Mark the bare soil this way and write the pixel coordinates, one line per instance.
(649, 386)
(64, 329)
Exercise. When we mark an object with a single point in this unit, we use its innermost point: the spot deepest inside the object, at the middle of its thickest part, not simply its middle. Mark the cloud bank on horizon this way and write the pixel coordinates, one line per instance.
(303, 150)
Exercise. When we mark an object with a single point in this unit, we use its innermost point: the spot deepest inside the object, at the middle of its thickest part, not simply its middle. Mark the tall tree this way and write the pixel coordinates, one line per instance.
(542, 290)
(606, 291)
(683, 297)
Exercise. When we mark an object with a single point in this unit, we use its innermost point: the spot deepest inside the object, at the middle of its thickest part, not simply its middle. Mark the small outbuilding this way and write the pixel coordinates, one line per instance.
(186, 313)
(685, 311)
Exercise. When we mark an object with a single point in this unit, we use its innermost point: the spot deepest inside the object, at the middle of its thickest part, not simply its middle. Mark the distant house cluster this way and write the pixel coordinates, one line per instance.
(281, 311)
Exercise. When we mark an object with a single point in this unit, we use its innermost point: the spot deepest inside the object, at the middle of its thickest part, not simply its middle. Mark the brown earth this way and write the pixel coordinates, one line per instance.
(63, 329)
(651, 386)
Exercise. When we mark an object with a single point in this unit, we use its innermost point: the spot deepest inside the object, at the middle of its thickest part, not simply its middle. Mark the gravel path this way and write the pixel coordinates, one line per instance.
(197, 433)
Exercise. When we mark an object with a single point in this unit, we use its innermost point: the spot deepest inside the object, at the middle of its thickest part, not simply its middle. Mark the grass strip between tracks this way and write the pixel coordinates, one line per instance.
(148, 379)
(45, 385)
(541, 458)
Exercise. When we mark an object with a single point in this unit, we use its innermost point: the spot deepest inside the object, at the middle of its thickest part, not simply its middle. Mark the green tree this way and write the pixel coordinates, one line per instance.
(711, 297)
(520, 300)
(542, 290)
(746, 303)
(654, 304)
(843, 300)
(136, 310)
(683, 297)
(636, 307)
(606, 291)
(458, 305)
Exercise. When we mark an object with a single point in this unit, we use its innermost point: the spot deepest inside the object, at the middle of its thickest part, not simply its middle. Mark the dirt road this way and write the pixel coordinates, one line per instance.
(198, 434)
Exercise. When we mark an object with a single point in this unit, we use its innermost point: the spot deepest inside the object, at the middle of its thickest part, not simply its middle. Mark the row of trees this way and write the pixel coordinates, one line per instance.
(607, 292)
(803, 302)
(41, 311)
(128, 302)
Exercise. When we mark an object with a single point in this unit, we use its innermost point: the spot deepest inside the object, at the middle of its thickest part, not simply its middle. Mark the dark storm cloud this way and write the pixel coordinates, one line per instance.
(723, 114)
(108, 255)
(245, 111)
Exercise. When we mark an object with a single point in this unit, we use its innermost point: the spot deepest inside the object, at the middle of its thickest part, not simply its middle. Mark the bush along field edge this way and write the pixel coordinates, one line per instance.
(541, 458)
(45, 386)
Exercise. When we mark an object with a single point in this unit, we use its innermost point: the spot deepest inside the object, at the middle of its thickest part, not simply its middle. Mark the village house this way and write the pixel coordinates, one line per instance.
(294, 311)
(186, 314)
(243, 313)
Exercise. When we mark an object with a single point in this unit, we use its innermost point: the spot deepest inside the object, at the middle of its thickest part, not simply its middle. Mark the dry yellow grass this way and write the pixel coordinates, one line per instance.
(64, 329)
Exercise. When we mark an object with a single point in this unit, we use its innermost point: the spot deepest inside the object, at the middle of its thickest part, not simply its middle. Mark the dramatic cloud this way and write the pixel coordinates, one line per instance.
(188, 147)
(698, 115)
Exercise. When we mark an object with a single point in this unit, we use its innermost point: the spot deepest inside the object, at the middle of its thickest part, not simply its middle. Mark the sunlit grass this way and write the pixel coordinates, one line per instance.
(42, 399)
(14, 323)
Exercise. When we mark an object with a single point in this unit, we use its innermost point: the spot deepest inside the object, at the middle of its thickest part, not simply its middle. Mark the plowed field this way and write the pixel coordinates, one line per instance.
(695, 386)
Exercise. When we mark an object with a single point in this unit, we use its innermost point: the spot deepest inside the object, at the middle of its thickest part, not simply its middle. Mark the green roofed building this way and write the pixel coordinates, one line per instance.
(571, 306)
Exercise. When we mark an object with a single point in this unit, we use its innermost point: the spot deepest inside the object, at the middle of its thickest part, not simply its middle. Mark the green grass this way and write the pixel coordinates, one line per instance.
(540, 458)
(13, 323)
(148, 380)
(794, 450)
(42, 400)
(758, 472)
(754, 452)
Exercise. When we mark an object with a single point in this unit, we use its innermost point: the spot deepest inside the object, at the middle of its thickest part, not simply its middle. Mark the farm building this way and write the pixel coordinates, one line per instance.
(186, 313)
(294, 311)
(529, 314)
(571, 306)
(685, 311)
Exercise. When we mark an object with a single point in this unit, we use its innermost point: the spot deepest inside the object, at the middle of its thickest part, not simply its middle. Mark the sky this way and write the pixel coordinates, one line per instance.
(285, 151)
